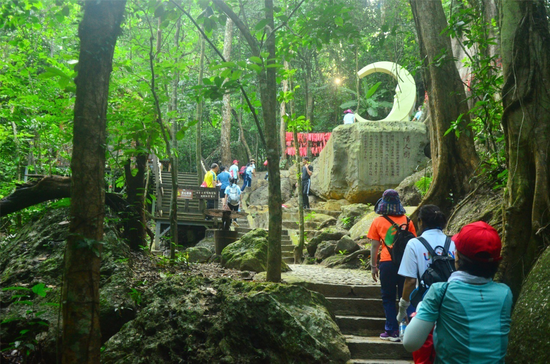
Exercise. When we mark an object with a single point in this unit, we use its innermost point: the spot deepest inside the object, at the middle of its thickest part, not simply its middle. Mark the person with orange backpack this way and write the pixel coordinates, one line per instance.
(389, 234)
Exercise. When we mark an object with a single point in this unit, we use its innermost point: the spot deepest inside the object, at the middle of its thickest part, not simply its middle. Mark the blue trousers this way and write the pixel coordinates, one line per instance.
(247, 182)
(391, 285)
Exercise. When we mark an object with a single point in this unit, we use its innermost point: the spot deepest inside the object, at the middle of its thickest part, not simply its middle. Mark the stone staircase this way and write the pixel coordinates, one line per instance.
(360, 316)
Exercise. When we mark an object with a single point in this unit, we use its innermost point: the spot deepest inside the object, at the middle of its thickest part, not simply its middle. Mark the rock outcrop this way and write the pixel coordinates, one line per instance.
(362, 160)
(192, 320)
(249, 253)
(530, 325)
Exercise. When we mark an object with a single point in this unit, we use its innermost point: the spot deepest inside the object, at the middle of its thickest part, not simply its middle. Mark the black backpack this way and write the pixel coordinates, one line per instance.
(400, 240)
(439, 270)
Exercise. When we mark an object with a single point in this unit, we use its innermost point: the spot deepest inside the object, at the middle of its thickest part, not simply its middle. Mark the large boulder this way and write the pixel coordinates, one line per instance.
(197, 320)
(198, 254)
(35, 258)
(530, 325)
(351, 214)
(259, 194)
(409, 189)
(331, 233)
(316, 221)
(249, 253)
(361, 160)
(325, 250)
(346, 245)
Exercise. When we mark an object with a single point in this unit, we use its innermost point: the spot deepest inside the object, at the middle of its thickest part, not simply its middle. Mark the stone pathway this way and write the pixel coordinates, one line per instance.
(355, 301)
(320, 274)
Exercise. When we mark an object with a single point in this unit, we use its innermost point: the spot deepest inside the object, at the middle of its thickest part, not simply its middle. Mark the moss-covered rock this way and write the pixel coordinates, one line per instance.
(35, 256)
(325, 250)
(331, 233)
(351, 214)
(530, 325)
(196, 320)
(249, 253)
(199, 254)
(315, 221)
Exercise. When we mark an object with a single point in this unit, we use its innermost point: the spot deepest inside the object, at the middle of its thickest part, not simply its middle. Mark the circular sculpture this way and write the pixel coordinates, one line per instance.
(405, 92)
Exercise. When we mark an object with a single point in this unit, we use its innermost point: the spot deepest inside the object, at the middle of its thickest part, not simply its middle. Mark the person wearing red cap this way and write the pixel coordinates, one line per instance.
(234, 170)
(471, 310)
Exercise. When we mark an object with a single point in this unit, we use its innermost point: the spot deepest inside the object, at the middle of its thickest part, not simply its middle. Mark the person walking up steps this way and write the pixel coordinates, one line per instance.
(233, 197)
(249, 172)
(234, 169)
(472, 312)
(416, 259)
(223, 178)
(381, 235)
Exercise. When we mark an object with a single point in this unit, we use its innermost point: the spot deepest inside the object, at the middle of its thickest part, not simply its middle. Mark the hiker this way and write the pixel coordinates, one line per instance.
(249, 172)
(232, 198)
(349, 117)
(472, 312)
(382, 233)
(416, 259)
(307, 171)
(266, 177)
(223, 178)
(418, 114)
(210, 181)
(234, 169)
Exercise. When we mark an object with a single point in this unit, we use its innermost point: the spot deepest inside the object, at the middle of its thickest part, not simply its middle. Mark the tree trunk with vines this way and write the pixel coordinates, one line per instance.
(525, 40)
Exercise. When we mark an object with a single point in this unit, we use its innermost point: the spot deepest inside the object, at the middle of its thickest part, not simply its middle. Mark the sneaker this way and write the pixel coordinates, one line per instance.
(235, 224)
(393, 336)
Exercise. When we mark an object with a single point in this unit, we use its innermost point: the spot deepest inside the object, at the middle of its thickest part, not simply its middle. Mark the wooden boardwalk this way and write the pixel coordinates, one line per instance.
(191, 204)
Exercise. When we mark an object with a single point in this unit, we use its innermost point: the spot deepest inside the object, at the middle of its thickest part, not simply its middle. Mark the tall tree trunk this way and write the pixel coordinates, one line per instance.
(98, 32)
(282, 129)
(298, 250)
(226, 110)
(174, 160)
(198, 146)
(241, 133)
(525, 43)
(135, 232)
(268, 87)
(454, 160)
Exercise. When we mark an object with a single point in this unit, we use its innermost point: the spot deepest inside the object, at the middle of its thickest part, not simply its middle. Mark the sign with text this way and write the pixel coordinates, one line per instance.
(185, 194)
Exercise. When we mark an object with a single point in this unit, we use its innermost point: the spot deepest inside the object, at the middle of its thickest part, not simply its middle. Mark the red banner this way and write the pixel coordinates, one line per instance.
(317, 142)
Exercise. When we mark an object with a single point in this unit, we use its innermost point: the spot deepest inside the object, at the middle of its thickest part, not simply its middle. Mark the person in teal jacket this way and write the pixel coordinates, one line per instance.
(470, 311)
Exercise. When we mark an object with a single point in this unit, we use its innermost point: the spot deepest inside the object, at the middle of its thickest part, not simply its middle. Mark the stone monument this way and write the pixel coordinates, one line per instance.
(363, 159)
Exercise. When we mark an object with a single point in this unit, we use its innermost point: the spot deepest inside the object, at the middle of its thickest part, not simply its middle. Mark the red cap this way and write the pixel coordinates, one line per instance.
(265, 163)
(235, 162)
(479, 237)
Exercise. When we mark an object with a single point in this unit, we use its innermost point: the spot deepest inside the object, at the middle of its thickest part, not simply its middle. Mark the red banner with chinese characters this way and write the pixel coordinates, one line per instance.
(317, 142)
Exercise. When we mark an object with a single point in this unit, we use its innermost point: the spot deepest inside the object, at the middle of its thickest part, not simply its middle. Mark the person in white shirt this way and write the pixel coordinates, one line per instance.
(431, 221)
(349, 117)
(234, 169)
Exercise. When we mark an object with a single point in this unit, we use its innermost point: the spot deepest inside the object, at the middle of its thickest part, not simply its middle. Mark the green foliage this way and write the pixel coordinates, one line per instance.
(309, 216)
(485, 85)
(423, 184)
(135, 295)
(342, 252)
(26, 342)
(346, 222)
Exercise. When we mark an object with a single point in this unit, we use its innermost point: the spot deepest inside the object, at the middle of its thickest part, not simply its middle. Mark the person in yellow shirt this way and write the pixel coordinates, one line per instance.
(210, 179)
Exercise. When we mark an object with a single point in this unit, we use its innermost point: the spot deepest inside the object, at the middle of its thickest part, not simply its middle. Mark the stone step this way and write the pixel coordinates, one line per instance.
(379, 361)
(287, 248)
(360, 325)
(374, 348)
(287, 224)
(288, 259)
(366, 307)
(334, 290)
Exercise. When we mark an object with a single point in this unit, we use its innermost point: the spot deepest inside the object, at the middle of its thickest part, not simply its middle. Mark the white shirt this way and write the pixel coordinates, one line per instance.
(416, 257)
(349, 118)
(234, 171)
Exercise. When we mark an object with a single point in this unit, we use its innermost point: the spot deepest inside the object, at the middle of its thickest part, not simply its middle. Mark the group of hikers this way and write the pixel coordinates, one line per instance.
(440, 281)
(230, 192)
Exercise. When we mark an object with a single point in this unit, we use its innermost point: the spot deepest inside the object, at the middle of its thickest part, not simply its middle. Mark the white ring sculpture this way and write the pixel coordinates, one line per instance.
(405, 92)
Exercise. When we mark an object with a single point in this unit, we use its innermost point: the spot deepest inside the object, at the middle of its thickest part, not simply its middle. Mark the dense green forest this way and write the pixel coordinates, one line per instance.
(91, 89)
